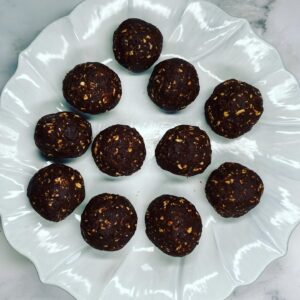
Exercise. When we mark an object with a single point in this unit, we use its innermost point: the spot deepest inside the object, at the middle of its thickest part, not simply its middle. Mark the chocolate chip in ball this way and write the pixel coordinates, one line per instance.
(137, 44)
(233, 190)
(119, 150)
(174, 84)
(233, 108)
(63, 135)
(92, 88)
(173, 225)
(108, 222)
(55, 191)
(184, 150)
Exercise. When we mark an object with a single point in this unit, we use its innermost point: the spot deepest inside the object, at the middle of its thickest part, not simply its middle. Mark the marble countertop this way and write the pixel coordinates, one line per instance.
(277, 21)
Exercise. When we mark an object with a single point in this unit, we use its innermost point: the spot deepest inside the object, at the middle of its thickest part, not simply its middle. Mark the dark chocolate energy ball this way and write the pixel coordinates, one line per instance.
(233, 108)
(184, 150)
(233, 190)
(137, 45)
(108, 222)
(173, 225)
(55, 191)
(119, 150)
(63, 135)
(92, 88)
(174, 84)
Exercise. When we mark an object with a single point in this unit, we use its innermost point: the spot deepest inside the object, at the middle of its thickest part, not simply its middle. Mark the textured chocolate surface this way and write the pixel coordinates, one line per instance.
(63, 135)
(233, 190)
(55, 191)
(119, 150)
(173, 225)
(184, 150)
(108, 222)
(174, 84)
(92, 88)
(137, 44)
(233, 108)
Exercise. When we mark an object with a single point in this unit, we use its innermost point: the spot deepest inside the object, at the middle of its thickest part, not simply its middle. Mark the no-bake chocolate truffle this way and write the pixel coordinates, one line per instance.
(233, 190)
(184, 150)
(137, 45)
(55, 191)
(174, 84)
(63, 135)
(119, 150)
(92, 88)
(233, 108)
(173, 225)
(108, 222)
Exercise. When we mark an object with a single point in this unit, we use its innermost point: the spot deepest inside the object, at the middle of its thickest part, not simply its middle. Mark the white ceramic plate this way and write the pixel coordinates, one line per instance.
(231, 252)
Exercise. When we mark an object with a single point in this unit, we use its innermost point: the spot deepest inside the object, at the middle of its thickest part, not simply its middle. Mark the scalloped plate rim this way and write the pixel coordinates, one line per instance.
(32, 259)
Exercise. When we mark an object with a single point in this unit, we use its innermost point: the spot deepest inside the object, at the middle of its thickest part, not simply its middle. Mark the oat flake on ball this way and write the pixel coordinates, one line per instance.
(92, 88)
(63, 135)
(174, 84)
(119, 150)
(233, 190)
(184, 150)
(137, 44)
(55, 191)
(108, 222)
(173, 225)
(233, 108)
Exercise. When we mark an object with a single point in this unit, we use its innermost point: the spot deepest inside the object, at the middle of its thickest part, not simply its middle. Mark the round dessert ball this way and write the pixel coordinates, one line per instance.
(137, 45)
(119, 150)
(108, 222)
(184, 150)
(174, 84)
(233, 190)
(92, 88)
(173, 225)
(63, 135)
(233, 108)
(55, 191)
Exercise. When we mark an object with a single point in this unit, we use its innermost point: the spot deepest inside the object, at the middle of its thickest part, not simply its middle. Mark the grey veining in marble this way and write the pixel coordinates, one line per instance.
(255, 11)
(277, 21)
